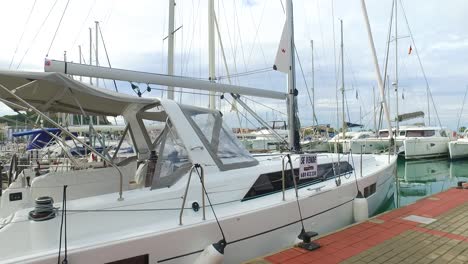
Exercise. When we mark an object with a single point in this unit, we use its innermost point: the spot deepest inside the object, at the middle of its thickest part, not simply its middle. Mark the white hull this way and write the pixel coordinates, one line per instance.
(317, 146)
(253, 227)
(458, 149)
(427, 147)
(369, 146)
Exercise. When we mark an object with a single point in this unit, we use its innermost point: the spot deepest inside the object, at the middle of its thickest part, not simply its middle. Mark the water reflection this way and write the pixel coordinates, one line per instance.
(422, 178)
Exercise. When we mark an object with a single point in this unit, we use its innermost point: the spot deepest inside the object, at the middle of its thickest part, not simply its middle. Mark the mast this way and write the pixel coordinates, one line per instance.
(81, 78)
(342, 83)
(90, 52)
(373, 103)
(79, 55)
(360, 115)
(63, 115)
(428, 106)
(97, 60)
(397, 129)
(293, 145)
(388, 94)
(377, 69)
(97, 48)
(170, 48)
(314, 118)
(211, 51)
(90, 79)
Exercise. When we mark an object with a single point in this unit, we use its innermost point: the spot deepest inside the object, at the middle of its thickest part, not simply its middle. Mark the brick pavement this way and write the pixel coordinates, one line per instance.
(392, 238)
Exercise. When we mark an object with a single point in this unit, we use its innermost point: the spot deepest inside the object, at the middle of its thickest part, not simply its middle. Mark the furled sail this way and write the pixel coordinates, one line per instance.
(409, 116)
(283, 52)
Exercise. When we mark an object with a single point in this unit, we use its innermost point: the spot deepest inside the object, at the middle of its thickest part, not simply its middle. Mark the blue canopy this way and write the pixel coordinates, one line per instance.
(35, 131)
(39, 138)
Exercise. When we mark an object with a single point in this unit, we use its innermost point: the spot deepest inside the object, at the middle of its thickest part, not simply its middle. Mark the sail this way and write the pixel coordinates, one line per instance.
(283, 53)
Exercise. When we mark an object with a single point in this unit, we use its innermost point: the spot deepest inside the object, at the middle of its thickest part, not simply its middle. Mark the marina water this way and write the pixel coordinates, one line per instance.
(421, 178)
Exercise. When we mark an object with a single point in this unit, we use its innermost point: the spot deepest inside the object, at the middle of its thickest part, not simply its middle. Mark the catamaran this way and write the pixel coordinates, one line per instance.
(459, 148)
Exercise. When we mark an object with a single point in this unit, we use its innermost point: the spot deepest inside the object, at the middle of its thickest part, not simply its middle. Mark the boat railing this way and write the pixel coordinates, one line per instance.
(68, 133)
(283, 172)
(201, 174)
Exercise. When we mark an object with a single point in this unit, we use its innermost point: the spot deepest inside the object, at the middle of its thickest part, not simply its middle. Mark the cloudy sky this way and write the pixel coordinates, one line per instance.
(134, 33)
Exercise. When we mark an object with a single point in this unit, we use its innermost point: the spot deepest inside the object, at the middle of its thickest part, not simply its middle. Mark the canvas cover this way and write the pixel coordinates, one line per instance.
(58, 92)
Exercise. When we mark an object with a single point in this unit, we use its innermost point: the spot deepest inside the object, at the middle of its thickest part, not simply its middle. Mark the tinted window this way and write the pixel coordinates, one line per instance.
(420, 133)
(383, 133)
(143, 259)
(272, 182)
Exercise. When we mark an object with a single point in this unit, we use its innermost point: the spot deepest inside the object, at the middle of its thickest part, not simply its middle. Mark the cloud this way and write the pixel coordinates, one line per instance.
(250, 31)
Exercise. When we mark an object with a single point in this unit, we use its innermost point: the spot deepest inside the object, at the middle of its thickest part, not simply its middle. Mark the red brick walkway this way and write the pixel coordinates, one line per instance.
(360, 243)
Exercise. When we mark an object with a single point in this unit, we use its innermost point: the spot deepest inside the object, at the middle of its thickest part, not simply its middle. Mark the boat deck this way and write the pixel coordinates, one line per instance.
(432, 230)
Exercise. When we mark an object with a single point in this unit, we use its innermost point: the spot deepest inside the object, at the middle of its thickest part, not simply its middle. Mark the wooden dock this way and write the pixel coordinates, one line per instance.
(432, 230)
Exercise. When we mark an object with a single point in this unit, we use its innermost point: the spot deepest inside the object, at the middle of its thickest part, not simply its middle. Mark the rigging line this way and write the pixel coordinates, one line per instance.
(262, 70)
(260, 44)
(211, 205)
(196, 93)
(240, 35)
(107, 55)
(282, 6)
(64, 212)
(248, 120)
(233, 45)
(22, 34)
(334, 63)
(82, 25)
(420, 63)
(84, 60)
(233, 50)
(322, 38)
(303, 76)
(264, 105)
(386, 59)
(186, 55)
(58, 26)
(256, 31)
(37, 33)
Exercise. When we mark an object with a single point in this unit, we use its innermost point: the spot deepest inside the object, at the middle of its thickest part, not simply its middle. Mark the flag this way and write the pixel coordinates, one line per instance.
(410, 50)
(283, 53)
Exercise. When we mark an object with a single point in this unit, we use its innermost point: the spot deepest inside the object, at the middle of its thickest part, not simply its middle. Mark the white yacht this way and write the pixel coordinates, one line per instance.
(425, 142)
(345, 141)
(412, 141)
(195, 185)
(459, 148)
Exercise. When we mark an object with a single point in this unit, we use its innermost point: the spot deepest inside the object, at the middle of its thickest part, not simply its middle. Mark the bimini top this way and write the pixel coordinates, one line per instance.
(57, 92)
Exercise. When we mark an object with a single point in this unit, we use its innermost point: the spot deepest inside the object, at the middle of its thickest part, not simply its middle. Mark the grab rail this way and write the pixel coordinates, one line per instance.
(202, 180)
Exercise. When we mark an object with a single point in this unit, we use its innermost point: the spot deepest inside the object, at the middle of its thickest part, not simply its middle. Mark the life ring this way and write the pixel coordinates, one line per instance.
(12, 171)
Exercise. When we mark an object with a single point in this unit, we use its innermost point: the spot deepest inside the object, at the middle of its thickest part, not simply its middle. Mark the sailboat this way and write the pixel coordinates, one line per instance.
(201, 197)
